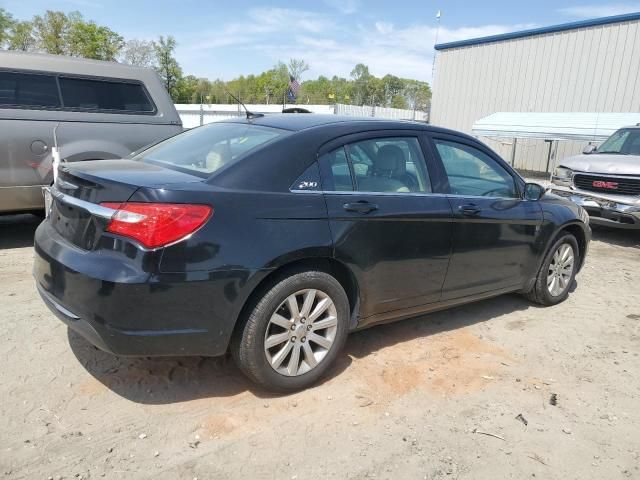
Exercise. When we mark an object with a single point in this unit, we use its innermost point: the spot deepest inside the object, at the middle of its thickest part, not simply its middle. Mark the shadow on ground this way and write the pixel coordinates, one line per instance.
(16, 231)
(172, 380)
(616, 236)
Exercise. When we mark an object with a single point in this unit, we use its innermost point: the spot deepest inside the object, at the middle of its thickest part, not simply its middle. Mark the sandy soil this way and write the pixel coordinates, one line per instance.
(431, 397)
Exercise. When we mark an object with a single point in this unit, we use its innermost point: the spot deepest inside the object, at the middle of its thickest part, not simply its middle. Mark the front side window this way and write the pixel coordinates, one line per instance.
(472, 172)
(28, 90)
(87, 94)
(207, 149)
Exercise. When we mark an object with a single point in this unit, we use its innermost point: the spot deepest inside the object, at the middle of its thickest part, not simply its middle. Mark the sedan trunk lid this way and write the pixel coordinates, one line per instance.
(75, 211)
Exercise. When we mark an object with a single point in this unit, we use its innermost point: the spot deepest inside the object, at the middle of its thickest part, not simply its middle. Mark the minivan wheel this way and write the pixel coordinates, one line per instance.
(557, 273)
(294, 332)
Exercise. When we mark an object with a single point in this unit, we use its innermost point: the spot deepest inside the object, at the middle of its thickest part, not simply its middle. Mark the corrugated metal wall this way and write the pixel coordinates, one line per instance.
(592, 69)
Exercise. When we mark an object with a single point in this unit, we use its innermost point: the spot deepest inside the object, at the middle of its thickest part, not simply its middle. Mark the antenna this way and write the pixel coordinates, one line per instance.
(250, 115)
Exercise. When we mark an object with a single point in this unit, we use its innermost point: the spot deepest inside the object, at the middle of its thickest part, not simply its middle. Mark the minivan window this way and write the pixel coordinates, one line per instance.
(88, 94)
(207, 149)
(28, 90)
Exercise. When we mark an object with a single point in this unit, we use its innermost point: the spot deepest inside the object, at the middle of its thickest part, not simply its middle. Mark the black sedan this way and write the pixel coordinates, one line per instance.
(275, 237)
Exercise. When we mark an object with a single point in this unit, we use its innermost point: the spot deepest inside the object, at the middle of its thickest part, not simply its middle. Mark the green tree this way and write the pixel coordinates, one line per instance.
(89, 40)
(167, 65)
(186, 90)
(6, 22)
(51, 32)
(21, 37)
(418, 94)
(398, 101)
(362, 83)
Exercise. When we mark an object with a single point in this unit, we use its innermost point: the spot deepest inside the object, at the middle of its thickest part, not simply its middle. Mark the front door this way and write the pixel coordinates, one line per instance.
(494, 229)
(387, 225)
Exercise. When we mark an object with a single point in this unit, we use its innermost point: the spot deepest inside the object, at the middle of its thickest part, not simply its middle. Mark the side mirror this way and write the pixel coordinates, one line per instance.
(533, 191)
(589, 149)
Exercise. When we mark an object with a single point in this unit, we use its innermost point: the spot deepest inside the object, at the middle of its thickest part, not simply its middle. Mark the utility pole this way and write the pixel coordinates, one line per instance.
(433, 63)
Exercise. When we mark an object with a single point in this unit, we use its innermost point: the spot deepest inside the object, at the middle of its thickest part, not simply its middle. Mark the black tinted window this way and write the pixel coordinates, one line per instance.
(103, 95)
(28, 90)
(340, 173)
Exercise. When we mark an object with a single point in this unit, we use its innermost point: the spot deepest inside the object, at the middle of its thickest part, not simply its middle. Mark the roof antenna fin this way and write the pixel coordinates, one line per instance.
(250, 115)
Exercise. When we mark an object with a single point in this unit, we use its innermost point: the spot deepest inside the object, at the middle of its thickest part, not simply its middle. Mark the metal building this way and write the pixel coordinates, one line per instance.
(589, 66)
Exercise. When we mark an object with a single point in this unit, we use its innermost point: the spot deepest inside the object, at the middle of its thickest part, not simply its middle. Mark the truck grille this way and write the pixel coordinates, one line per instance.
(605, 184)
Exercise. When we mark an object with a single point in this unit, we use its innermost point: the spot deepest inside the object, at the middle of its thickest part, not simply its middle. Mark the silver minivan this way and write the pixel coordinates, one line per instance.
(99, 110)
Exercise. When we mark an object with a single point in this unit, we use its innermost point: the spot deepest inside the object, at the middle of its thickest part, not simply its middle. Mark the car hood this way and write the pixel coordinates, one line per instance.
(604, 163)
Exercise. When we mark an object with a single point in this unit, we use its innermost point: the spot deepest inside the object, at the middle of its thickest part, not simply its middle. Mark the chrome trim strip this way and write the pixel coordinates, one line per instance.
(92, 208)
(593, 174)
(631, 201)
(384, 194)
(407, 194)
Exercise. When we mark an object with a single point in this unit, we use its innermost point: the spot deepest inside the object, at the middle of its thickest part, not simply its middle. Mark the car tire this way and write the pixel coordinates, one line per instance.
(545, 291)
(271, 346)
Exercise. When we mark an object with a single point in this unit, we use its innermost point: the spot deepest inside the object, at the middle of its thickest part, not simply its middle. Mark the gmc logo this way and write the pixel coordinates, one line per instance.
(607, 185)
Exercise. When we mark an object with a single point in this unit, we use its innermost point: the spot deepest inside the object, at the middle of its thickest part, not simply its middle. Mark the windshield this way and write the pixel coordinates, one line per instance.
(207, 149)
(623, 142)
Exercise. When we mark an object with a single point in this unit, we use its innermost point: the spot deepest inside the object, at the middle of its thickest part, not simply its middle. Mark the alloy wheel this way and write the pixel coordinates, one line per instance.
(560, 270)
(300, 332)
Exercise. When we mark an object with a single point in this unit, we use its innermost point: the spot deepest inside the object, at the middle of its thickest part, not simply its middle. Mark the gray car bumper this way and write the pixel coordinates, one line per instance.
(607, 210)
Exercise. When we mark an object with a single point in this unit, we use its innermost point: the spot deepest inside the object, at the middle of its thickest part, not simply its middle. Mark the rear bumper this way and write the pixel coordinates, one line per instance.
(138, 313)
(607, 210)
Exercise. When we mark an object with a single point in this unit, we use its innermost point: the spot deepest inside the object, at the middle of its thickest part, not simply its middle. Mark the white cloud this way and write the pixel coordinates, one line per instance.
(344, 6)
(599, 10)
(286, 19)
(330, 46)
(384, 27)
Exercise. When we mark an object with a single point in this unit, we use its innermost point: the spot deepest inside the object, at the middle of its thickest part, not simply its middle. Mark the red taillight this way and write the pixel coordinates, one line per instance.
(156, 224)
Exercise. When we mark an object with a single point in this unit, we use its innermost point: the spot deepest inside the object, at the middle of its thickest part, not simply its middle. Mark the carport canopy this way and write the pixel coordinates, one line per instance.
(594, 127)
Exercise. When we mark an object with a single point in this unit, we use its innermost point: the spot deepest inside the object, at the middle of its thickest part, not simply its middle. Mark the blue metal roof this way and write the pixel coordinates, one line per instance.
(539, 31)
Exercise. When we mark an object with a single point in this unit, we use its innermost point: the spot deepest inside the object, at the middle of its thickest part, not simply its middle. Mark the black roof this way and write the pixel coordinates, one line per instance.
(287, 121)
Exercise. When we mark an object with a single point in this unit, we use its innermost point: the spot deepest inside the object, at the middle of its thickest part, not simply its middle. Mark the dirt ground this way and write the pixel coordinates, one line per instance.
(459, 394)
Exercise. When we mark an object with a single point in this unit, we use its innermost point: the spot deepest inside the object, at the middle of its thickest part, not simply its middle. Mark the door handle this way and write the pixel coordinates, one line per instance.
(360, 207)
(469, 210)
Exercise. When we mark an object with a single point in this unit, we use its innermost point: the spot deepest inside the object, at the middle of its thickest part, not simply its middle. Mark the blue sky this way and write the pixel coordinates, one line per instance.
(222, 39)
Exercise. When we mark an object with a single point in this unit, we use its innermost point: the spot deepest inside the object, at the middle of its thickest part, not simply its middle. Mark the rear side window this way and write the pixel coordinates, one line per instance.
(340, 172)
(28, 90)
(384, 165)
(207, 149)
(103, 95)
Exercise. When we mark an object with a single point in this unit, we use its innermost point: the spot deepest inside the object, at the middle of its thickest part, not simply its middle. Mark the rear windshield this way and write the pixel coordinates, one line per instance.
(207, 149)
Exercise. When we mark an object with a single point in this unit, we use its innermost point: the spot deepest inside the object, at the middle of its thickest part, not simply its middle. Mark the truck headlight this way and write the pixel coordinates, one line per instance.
(563, 173)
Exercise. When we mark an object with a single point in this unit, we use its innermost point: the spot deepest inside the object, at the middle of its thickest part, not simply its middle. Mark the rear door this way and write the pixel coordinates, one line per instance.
(386, 222)
(495, 229)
